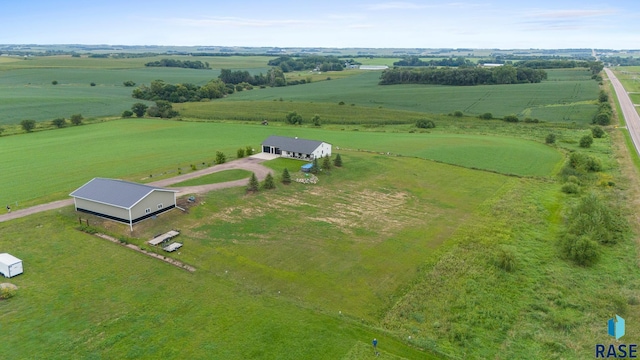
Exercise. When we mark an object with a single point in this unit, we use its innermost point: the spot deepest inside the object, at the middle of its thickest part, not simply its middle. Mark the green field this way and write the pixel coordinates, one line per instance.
(57, 162)
(405, 243)
(567, 96)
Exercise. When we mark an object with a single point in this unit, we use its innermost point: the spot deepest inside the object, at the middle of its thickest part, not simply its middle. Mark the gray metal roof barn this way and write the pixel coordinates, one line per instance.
(10, 265)
(296, 148)
(123, 201)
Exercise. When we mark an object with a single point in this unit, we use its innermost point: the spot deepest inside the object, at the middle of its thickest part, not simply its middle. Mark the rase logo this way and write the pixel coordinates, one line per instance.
(616, 329)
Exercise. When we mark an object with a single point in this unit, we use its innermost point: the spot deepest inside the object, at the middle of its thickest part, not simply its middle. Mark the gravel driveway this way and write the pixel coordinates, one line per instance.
(251, 164)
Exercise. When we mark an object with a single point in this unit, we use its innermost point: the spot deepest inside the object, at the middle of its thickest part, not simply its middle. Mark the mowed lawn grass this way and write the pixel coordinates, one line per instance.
(56, 162)
(298, 272)
(566, 93)
(223, 176)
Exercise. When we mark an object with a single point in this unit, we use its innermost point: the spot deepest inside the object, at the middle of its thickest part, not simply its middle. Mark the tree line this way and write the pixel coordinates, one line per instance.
(179, 64)
(298, 63)
(274, 77)
(506, 74)
(179, 93)
(415, 61)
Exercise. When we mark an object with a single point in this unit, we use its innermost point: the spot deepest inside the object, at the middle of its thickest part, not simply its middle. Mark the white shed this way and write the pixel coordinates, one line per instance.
(10, 265)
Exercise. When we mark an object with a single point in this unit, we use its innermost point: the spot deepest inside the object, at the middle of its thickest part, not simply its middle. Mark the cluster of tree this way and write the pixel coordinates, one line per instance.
(254, 184)
(605, 112)
(506, 74)
(298, 63)
(76, 119)
(179, 93)
(592, 222)
(179, 63)
(621, 61)
(415, 61)
(275, 77)
(554, 64)
(162, 109)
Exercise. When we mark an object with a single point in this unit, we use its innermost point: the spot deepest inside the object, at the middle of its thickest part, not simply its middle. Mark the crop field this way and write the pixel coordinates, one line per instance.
(58, 161)
(441, 243)
(567, 96)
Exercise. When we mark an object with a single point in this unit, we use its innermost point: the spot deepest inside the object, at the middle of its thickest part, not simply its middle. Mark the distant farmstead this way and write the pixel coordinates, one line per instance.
(123, 201)
(296, 148)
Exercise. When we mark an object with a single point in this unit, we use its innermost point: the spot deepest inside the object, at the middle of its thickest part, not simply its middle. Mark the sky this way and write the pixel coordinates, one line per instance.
(513, 24)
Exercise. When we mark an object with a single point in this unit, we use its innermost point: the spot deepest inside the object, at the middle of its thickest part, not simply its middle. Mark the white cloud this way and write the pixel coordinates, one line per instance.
(571, 13)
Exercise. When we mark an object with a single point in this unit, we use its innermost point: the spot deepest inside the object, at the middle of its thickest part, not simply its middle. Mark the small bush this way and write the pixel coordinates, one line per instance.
(511, 118)
(341, 103)
(550, 139)
(597, 132)
(54, 82)
(486, 116)
(570, 188)
(240, 153)
(286, 177)
(129, 83)
(127, 114)
(425, 124)
(581, 249)
(221, 158)
(458, 113)
(586, 141)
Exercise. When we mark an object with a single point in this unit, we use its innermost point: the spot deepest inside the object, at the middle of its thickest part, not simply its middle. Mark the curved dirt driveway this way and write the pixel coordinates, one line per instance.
(250, 164)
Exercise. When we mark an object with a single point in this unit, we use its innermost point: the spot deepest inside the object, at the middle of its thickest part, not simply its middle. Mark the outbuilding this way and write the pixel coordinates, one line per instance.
(10, 265)
(296, 148)
(123, 201)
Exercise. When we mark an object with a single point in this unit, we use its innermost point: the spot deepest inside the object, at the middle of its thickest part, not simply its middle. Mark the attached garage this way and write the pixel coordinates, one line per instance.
(123, 201)
(10, 265)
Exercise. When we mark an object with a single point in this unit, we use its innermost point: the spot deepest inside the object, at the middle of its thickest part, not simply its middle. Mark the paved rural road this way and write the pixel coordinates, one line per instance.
(250, 164)
(631, 116)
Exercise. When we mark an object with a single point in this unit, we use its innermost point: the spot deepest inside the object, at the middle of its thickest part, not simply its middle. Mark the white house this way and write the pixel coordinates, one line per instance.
(296, 148)
(123, 201)
(10, 265)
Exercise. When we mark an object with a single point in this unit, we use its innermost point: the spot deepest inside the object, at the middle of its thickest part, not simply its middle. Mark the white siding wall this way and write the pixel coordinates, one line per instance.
(323, 150)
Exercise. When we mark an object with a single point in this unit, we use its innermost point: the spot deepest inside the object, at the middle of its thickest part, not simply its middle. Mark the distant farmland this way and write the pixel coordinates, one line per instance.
(27, 87)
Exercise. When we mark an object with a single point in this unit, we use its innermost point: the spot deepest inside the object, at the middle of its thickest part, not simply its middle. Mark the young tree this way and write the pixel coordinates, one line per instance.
(286, 177)
(337, 162)
(586, 141)
(240, 153)
(316, 120)
(139, 109)
(268, 182)
(253, 183)
(221, 158)
(127, 114)
(248, 151)
(59, 122)
(315, 168)
(511, 118)
(550, 139)
(326, 163)
(28, 125)
(294, 118)
(76, 119)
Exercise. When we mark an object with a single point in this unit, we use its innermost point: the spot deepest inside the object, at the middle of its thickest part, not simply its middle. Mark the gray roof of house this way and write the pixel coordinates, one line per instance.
(118, 193)
(292, 144)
